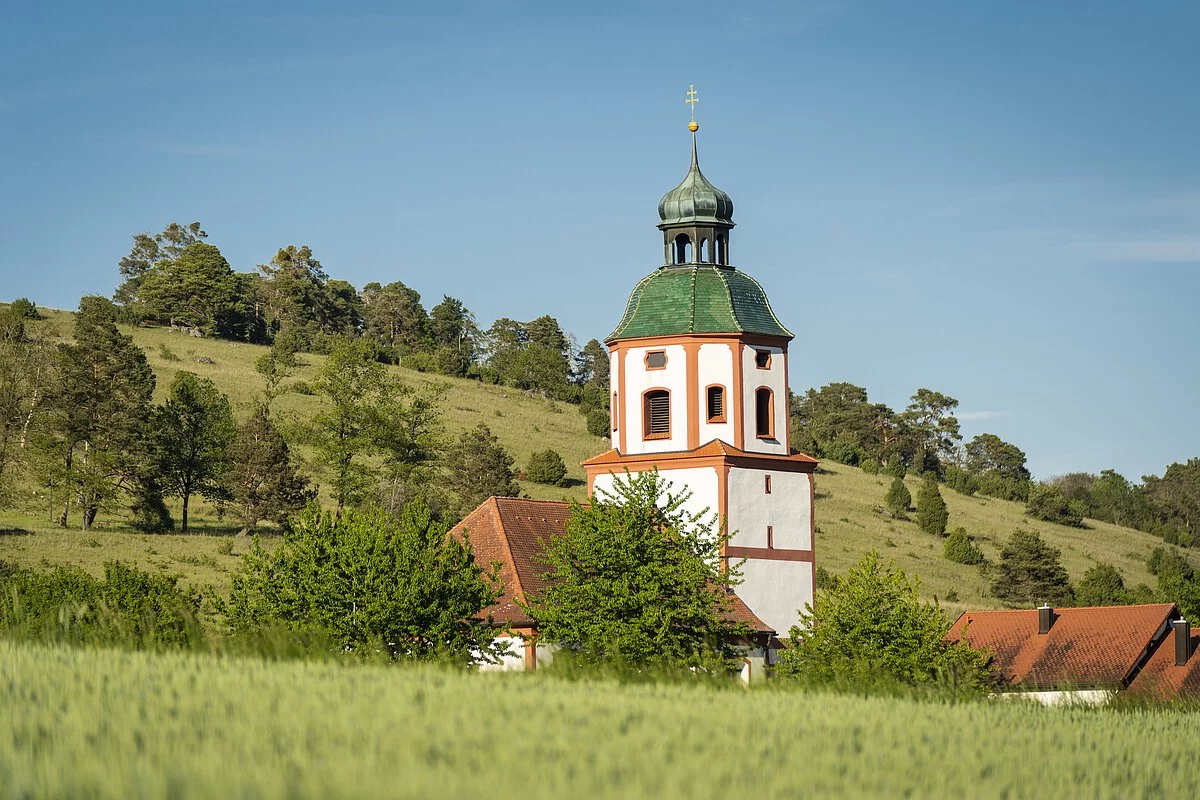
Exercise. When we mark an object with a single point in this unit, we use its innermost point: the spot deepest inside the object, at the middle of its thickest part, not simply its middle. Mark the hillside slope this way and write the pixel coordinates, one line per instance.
(848, 522)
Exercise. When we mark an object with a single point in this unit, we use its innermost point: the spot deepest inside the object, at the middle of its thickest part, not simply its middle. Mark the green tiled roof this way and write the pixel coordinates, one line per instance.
(697, 298)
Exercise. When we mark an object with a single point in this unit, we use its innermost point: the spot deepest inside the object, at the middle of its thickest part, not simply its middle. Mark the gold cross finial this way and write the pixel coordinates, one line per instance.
(691, 99)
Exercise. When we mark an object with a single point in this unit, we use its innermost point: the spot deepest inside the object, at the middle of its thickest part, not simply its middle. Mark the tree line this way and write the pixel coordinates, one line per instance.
(178, 278)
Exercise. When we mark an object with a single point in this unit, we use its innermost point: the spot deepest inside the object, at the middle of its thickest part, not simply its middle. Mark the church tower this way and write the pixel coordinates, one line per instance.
(699, 373)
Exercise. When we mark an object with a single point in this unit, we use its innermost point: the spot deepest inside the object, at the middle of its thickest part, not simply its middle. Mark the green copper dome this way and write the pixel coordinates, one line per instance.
(695, 200)
(697, 298)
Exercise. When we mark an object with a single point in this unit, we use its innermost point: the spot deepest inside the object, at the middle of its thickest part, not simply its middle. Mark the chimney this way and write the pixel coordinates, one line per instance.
(1183, 641)
(1045, 618)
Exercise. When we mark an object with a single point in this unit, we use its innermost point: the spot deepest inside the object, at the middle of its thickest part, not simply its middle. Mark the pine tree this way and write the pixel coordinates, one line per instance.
(262, 479)
(898, 498)
(1029, 572)
(931, 508)
(478, 467)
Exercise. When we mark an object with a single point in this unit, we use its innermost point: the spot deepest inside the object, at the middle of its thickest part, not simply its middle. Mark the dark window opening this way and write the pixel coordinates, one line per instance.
(770, 538)
(656, 359)
(768, 485)
(762, 359)
(716, 404)
(763, 414)
(613, 411)
(656, 414)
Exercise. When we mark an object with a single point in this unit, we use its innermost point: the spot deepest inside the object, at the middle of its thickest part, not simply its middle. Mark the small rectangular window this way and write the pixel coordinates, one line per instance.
(613, 411)
(764, 414)
(768, 484)
(770, 538)
(716, 404)
(656, 413)
(656, 359)
(762, 359)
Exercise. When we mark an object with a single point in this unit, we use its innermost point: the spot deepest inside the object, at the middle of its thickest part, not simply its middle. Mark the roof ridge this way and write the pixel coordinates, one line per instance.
(692, 315)
(631, 310)
(729, 303)
(767, 302)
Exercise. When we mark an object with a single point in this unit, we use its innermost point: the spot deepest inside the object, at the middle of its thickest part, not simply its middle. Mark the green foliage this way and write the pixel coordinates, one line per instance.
(932, 514)
(843, 452)
(23, 308)
(147, 253)
(869, 466)
(961, 548)
(302, 301)
(546, 466)
(824, 579)
(262, 479)
(636, 580)
(370, 581)
(129, 607)
(896, 467)
(1175, 499)
(598, 421)
(193, 431)
(478, 467)
(1047, 502)
(530, 355)
(1178, 581)
(873, 629)
(961, 481)
(198, 289)
(930, 418)
(1029, 572)
(1102, 585)
(898, 498)
(25, 367)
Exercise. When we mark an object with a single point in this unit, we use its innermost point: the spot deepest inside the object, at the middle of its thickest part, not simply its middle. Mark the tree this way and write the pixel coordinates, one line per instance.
(196, 289)
(634, 579)
(300, 297)
(836, 421)
(1102, 585)
(546, 466)
(998, 466)
(873, 628)
(370, 581)
(592, 366)
(94, 441)
(931, 508)
(1029, 572)
(394, 316)
(478, 467)
(193, 431)
(25, 365)
(1046, 502)
(262, 480)
(898, 498)
(147, 253)
(962, 549)
(1175, 498)
(930, 417)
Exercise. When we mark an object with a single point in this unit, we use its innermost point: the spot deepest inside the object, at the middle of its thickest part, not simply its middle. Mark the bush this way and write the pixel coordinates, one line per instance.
(128, 608)
(547, 467)
(1048, 503)
(961, 481)
(842, 452)
(896, 468)
(873, 630)
(931, 508)
(598, 422)
(1029, 572)
(23, 308)
(869, 466)
(961, 548)
(303, 387)
(1102, 585)
(898, 498)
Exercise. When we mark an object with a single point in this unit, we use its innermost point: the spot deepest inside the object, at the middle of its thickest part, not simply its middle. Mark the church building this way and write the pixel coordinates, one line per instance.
(699, 380)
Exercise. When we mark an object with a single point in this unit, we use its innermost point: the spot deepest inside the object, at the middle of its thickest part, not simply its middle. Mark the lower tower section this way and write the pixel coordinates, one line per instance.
(765, 501)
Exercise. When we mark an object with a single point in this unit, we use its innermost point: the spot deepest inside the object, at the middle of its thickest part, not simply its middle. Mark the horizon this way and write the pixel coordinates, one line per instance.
(1001, 207)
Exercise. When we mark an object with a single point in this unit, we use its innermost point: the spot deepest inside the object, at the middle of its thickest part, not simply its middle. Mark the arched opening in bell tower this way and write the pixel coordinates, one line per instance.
(683, 249)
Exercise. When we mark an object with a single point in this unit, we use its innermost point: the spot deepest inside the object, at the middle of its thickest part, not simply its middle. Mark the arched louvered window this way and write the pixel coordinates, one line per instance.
(715, 403)
(656, 414)
(764, 413)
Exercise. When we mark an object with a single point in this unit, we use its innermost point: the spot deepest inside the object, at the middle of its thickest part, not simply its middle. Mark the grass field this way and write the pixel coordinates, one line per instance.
(847, 520)
(87, 723)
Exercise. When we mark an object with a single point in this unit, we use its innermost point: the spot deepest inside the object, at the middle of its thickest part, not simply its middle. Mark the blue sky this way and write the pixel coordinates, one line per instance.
(1000, 201)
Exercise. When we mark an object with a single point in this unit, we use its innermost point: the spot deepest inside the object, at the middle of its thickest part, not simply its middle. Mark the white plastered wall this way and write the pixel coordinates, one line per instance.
(639, 379)
(714, 364)
(702, 481)
(512, 658)
(776, 590)
(773, 378)
(787, 509)
(614, 379)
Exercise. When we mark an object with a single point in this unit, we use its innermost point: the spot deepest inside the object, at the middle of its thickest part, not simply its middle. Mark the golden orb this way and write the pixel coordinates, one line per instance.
(693, 126)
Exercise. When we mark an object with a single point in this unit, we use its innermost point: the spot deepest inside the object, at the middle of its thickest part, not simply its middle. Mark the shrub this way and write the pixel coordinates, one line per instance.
(825, 579)
(546, 466)
(1029, 572)
(873, 629)
(896, 468)
(303, 387)
(961, 481)
(931, 508)
(842, 452)
(23, 308)
(1102, 585)
(962, 549)
(1048, 503)
(598, 421)
(898, 498)
(869, 466)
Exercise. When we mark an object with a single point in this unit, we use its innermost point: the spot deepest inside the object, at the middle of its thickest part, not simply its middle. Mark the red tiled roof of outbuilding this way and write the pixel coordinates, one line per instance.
(513, 531)
(1095, 646)
(1161, 679)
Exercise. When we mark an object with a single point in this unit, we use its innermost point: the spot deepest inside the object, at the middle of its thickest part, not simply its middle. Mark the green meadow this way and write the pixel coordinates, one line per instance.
(100, 723)
(849, 516)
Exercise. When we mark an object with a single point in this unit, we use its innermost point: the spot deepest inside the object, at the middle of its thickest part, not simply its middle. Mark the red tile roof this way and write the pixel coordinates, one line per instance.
(513, 531)
(712, 449)
(1162, 680)
(1100, 646)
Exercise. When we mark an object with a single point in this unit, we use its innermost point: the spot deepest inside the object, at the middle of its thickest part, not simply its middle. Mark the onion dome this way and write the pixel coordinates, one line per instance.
(695, 200)
(697, 299)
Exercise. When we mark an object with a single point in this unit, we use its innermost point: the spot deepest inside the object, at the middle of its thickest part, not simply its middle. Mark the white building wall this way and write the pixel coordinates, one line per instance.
(702, 481)
(639, 379)
(773, 378)
(614, 379)
(776, 590)
(513, 657)
(787, 509)
(715, 365)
